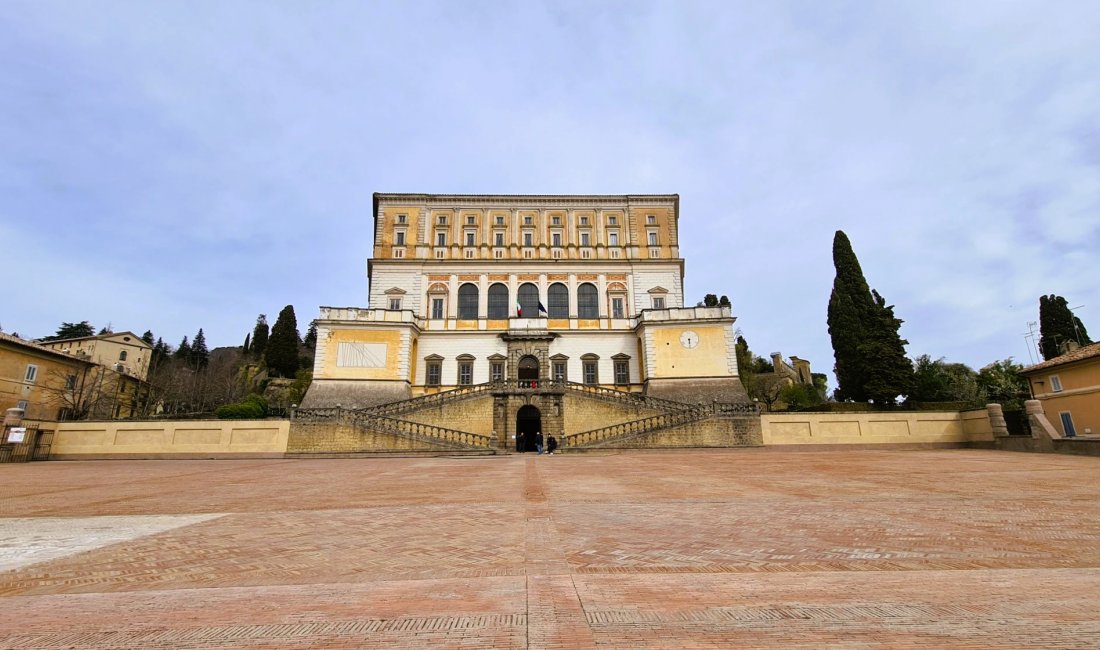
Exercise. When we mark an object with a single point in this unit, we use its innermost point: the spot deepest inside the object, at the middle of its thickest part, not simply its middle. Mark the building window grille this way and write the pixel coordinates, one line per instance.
(1055, 384)
(555, 221)
(556, 238)
(441, 220)
(435, 373)
(122, 355)
(401, 218)
(500, 221)
(498, 238)
(588, 301)
(558, 299)
(652, 239)
(651, 219)
(399, 238)
(395, 304)
(437, 308)
(470, 238)
(465, 373)
(584, 221)
(586, 239)
(528, 238)
(622, 371)
(31, 374)
(658, 302)
(561, 371)
(612, 239)
(529, 300)
(70, 382)
(441, 238)
(591, 375)
(498, 301)
(617, 308)
(496, 371)
(612, 221)
(527, 221)
(470, 220)
(467, 301)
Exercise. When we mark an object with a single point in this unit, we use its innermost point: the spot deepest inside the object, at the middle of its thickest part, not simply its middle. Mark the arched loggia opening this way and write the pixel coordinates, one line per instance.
(528, 424)
(528, 372)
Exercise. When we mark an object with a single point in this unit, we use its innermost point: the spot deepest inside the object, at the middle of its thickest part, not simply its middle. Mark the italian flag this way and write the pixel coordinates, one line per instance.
(519, 310)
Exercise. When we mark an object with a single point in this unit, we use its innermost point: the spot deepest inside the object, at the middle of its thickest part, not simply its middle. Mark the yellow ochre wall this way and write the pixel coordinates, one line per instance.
(1080, 395)
(708, 359)
(167, 439)
(391, 338)
(871, 428)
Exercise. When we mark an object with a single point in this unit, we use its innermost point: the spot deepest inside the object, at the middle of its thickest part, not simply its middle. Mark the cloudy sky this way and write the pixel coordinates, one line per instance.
(177, 165)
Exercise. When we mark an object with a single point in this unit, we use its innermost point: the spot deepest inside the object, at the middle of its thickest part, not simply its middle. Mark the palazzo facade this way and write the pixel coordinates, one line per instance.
(533, 298)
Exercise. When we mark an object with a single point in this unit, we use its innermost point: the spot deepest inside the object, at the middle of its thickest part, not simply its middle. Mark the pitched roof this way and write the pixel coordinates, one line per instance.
(1080, 354)
(136, 340)
(40, 349)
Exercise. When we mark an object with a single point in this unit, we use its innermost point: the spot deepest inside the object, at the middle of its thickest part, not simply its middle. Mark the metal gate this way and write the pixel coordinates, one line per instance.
(24, 449)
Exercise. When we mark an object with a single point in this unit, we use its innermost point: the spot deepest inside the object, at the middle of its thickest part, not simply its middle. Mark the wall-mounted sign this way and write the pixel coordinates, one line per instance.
(17, 434)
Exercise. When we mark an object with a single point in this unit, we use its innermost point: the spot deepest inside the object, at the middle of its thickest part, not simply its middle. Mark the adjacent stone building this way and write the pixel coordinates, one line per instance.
(561, 314)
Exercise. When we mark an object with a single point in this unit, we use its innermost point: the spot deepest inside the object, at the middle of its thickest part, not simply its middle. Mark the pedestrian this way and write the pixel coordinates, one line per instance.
(551, 444)
(519, 442)
(538, 442)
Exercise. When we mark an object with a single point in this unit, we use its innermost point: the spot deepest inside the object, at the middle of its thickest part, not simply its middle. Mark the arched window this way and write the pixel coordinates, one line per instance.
(122, 355)
(588, 301)
(529, 300)
(558, 297)
(467, 301)
(498, 301)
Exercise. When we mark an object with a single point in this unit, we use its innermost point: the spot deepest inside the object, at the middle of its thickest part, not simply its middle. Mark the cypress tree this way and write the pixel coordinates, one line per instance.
(282, 347)
(1058, 326)
(247, 343)
(148, 337)
(183, 351)
(259, 336)
(200, 355)
(311, 336)
(869, 354)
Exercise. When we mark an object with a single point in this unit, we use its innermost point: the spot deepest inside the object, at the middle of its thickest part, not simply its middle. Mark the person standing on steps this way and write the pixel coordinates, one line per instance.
(551, 444)
(538, 442)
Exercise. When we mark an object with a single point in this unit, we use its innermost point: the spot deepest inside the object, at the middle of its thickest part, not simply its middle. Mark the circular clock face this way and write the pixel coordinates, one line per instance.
(689, 339)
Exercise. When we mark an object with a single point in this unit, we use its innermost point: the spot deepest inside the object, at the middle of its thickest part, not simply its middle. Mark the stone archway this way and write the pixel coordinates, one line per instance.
(528, 423)
(528, 370)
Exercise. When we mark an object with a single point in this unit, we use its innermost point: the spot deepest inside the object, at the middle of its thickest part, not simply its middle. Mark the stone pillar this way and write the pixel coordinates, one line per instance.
(13, 417)
(1040, 427)
(997, 420)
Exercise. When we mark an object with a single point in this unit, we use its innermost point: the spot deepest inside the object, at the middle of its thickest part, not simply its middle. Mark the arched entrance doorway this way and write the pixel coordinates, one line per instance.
(528, 423)
(528, 371)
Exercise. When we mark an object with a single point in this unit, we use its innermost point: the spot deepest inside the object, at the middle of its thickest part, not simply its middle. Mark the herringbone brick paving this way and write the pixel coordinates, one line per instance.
(708, 549)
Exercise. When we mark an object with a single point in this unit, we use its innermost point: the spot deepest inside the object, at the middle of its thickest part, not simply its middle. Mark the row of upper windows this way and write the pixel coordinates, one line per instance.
(529, 302)
(590, 370)
(442, 236)
(528, 220)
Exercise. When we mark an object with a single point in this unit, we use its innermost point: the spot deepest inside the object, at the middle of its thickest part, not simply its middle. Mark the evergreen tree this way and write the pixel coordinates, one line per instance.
(870, 355)
(160, 352)
(247, 343)
(710, 300)
(1058, 326)
(282, 347)
(200, 355)
(311, 336)
(183, 352)
(259, 336)
(72, 331)
(724, 302)
(148, 337)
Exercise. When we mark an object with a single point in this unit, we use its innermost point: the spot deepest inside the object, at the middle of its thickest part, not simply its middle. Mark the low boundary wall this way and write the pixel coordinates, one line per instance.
(170, 439)
(923, 428)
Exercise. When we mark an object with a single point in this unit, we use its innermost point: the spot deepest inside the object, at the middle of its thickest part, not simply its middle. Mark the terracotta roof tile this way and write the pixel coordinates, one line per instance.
(1080, 354)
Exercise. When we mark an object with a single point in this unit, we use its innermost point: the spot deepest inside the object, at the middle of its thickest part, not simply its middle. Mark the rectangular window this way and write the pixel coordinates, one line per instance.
(22, 405)
(560, 373)
(612, 239)
(1055, 384)
(440, 238)
(590, 374)
(611, 221)
(658, 302)
(500, 221)
(441, 220)
(435, 372)
(652, 238)
(70, 382)
(527, 221)
(528, 239)
(555, 221)
(32, 373)
(622, 371)
(584, 221)
(1067, 424)
(651, 219)
(401, 218)
(465, 373)
(395, 303)
(617, 310)
(470, 236)
(585, 239)
(470, 220)
(496, 371)
(498, 238)
(399, 238)
(556, 237)
(437, 308)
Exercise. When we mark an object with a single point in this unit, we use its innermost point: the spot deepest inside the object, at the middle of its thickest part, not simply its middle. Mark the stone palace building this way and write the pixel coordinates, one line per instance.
(493, 317)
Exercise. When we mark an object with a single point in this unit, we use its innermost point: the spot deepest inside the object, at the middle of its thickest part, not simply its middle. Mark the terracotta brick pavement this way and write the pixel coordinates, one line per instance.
(707, 549)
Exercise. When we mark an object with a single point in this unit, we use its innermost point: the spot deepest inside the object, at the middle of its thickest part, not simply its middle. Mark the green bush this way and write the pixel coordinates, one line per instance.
(242, 411)
(258, 401)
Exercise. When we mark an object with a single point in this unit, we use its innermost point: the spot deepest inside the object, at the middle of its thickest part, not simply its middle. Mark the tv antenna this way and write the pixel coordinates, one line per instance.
(1029, 336)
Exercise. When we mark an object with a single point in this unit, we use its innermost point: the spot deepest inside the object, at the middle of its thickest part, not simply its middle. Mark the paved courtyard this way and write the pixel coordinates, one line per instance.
(739, 548)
